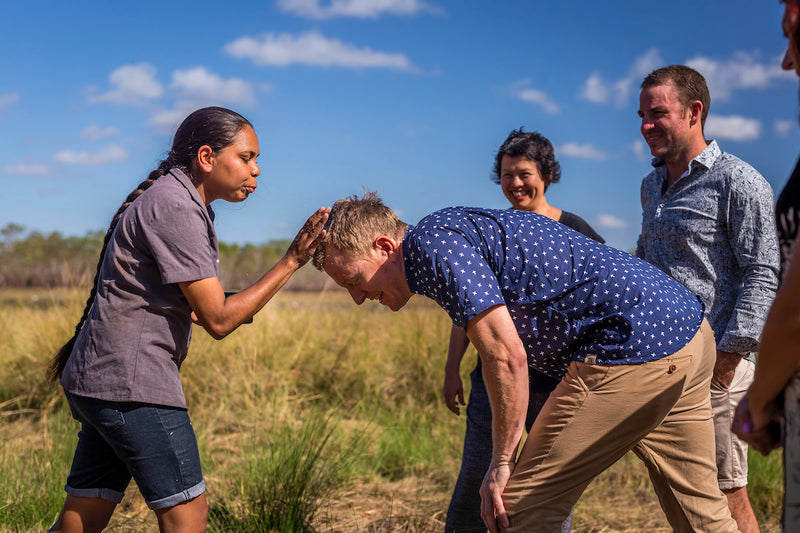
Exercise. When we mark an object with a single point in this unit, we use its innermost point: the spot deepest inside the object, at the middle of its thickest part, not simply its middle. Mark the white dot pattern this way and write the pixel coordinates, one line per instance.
(570, 297)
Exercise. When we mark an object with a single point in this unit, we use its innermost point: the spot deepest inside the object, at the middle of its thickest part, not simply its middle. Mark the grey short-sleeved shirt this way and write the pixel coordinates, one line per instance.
(138, 331)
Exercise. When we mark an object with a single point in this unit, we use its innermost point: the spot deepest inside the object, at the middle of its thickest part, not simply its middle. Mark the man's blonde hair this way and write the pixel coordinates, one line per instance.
(353, 225)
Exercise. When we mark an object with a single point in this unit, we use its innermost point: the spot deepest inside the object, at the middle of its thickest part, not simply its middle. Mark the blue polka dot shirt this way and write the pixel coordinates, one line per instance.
(570, 297)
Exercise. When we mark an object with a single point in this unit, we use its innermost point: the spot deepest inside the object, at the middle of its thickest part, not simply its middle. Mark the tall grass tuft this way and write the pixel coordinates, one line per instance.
(765, 485)
(33, 469)
(286, 479)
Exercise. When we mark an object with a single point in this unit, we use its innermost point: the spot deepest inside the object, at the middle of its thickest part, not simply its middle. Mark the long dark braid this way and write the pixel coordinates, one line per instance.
(212, 126)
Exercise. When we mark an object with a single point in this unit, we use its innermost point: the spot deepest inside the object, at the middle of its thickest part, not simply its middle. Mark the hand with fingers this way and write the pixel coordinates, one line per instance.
(308, 238)
(453, 392)
(760, 428)
(493, 510)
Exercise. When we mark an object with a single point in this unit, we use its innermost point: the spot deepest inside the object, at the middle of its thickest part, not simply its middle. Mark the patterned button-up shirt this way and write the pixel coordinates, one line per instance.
(570, 297)
(714, 232)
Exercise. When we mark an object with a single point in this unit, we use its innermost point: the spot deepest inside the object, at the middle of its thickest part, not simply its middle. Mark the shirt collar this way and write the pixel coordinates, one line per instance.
(184, 180)
(410, 263)
(704, 159)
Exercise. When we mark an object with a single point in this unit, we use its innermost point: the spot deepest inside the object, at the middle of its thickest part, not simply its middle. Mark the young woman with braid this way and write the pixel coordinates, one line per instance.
(157, 274)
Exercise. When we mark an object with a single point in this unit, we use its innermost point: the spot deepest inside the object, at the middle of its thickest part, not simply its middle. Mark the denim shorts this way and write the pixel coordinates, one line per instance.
(154, 445)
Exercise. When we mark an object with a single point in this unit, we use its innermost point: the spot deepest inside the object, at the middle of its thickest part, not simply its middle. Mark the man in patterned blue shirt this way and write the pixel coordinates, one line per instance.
(629, 344)
(708, 222)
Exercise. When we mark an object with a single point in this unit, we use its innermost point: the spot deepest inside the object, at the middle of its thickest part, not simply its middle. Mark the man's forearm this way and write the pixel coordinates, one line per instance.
(505, 373)
(754, 242)
(753, 301)
(456, 349)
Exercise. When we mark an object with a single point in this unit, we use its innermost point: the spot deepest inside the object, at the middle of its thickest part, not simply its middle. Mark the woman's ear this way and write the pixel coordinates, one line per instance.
(205, 158)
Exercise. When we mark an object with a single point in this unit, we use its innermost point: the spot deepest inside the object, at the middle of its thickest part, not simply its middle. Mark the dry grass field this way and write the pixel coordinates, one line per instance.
(319, 416)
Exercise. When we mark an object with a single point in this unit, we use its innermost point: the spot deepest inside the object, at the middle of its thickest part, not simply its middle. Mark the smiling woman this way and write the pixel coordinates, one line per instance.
(157, 273)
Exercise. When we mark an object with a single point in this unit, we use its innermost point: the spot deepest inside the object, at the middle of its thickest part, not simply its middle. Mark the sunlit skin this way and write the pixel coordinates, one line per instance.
(791, 61)
(671, 130)
(230, 173)
(665, 121)
(380, 275)
(522, 183)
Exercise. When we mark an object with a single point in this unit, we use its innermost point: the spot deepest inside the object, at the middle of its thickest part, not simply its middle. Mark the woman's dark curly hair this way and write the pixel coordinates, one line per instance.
(533, 146)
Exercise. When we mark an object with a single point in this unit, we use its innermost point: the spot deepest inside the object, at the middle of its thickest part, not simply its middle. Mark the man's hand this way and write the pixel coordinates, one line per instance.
(453, 391)
(492, 508)
(505, 373)
(725, 367)
(760, 428)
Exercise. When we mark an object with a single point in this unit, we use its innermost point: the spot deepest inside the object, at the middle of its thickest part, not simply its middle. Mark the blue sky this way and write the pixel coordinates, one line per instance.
(407, 97)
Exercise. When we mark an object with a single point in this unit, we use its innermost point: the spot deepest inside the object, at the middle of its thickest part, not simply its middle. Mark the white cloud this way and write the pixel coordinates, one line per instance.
(582, 151)
(8, 99)
(111, 154)
(596, 89)
(196, 88)
(784, 127)
(734, 128)
(539, 98)
(644, 65)
(27, 169)
(132, 85)
(167, 120)
(639, 148)
(312, 48)
(610, 222)
(94, 132)
(354, 8)
(266, 87)
(742, 71)
(198, 84)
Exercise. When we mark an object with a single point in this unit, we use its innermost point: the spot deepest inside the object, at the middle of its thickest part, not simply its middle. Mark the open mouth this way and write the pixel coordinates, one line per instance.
(653, 139)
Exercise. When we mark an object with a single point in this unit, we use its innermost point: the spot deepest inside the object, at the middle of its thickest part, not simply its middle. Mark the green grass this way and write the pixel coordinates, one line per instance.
(765, 486)
(33, 468)
(287, 476)
(319, 416)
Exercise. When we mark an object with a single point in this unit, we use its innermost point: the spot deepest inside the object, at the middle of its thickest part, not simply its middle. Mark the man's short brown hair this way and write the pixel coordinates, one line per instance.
(353, 225)
(689, 83)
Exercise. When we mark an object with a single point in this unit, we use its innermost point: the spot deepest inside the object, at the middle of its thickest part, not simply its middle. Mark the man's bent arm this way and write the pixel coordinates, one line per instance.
(453, 389)
(753, 239)
(505, 372)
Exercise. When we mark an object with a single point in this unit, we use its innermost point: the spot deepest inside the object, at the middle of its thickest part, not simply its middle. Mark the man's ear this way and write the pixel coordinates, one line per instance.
(384, 243)
(696, 110)
(205, 158)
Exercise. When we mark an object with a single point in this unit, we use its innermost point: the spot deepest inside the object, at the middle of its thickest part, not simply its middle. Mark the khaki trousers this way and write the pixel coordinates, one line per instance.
(660, 410)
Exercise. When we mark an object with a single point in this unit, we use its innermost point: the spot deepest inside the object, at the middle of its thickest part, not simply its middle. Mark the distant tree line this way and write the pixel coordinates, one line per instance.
(33, 259)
